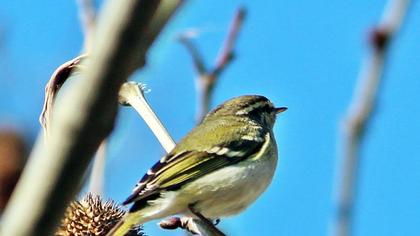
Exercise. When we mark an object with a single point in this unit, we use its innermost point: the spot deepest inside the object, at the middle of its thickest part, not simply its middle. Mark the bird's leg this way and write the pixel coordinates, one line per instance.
(208, 224)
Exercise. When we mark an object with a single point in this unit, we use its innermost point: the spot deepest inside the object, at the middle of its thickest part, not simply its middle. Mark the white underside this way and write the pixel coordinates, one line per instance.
(232, 189)
(225, 192)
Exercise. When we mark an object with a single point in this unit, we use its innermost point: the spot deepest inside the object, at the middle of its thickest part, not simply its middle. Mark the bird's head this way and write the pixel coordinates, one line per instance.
(255, 107)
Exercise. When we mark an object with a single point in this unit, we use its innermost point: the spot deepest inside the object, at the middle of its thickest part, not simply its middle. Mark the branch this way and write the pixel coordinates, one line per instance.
(87, 15)
(204, 222)
(84, 116)
(198, 61)
(361, 111)
(207, 78)
(227, 54)
(132, 93)
(97, 173)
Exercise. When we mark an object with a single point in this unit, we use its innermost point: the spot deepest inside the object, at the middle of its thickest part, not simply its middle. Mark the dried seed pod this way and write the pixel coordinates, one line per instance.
(92, 217)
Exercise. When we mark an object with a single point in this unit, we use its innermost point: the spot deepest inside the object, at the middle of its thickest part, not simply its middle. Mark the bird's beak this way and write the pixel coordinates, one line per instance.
(279, 110)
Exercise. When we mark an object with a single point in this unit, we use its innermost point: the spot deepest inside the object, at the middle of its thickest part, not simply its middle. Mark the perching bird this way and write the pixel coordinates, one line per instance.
(220, 168)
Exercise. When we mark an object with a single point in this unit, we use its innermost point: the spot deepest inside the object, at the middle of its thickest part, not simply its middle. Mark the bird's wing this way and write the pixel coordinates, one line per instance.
(173, 171)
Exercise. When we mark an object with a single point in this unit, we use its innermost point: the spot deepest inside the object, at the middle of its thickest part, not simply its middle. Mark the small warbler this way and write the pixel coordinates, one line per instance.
(221, 167)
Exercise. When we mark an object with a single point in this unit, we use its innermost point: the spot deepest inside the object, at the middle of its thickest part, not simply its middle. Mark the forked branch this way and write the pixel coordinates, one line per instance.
(207, 77)
(360, 112)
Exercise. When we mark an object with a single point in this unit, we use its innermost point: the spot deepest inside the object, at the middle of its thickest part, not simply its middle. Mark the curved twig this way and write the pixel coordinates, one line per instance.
(360, 112)
(207, 78)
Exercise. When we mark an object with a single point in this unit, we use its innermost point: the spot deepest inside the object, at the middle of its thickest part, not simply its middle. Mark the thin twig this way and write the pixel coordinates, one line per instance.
(360, 112)
(84, 116)
(197, 58)
(207, 78)
(132, 93)
(205, 223)
(97, 177)
(227, 54)
(97, 174)
(87, 15)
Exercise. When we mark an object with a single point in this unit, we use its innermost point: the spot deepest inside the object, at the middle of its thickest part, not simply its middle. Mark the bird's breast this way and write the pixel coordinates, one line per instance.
(231, 189)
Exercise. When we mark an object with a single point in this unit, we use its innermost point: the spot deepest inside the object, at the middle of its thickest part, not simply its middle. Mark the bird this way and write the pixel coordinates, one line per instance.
(218, 169)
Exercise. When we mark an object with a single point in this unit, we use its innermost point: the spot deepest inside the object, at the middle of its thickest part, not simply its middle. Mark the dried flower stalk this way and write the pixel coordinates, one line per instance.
(58, 78)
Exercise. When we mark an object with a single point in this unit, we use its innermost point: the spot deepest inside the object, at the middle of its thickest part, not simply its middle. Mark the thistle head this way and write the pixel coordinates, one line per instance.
(92, 216)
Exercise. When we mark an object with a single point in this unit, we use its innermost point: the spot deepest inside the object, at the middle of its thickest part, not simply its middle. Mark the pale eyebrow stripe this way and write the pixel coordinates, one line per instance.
(252, 107)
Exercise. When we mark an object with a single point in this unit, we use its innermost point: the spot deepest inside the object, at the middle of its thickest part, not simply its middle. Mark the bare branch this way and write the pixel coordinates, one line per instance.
(195, 54)
(97, 175)
(205, 223)
(207, 78)
(226, 54)
(361, 111)
(191, 225)
(84, 116)
(87, 15)
(132, 93)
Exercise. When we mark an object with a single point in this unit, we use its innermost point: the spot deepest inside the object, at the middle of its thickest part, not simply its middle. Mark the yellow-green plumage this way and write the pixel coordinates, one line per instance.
(221, 166)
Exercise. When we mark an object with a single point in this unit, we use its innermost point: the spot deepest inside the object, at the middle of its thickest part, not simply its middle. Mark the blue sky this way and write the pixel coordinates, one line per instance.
(305, 55)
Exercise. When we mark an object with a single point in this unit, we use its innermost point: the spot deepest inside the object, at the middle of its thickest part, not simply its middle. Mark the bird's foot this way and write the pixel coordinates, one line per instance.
(199, 226)
(185, 223)
(204, 224)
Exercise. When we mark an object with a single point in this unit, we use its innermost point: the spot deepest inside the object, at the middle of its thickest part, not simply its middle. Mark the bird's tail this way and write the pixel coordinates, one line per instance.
(126, 224)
